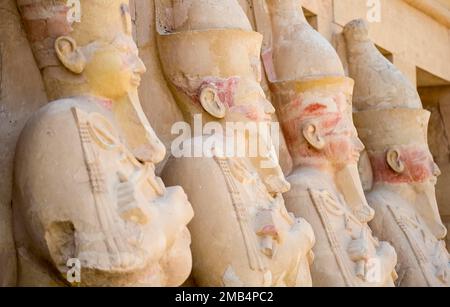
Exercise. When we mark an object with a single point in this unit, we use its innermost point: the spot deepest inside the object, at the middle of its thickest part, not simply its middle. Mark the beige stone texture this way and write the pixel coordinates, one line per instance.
(21, 93)
(212, 62)
(436, 99)
(403, 194)
(314, 101)
(157, 101)
(380, 85)
(88, 207)
(394, 128)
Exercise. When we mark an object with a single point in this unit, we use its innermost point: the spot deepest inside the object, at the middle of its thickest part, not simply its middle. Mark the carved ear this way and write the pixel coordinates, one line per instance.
(210, 101)
(69, 54)
(394, 162)
(311, 134)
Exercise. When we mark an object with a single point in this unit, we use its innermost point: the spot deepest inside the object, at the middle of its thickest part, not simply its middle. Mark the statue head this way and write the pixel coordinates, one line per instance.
(88, 49)
(396, 142)
(216, 73)
(95, 55)
(212, 60)
(214, 69)
(316, 119)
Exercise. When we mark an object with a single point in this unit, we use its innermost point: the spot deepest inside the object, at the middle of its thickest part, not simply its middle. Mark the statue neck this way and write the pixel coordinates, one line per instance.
(314, 163)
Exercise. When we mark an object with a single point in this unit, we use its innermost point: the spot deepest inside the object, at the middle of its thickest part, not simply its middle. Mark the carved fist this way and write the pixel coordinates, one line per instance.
(128, 204)
(358, 250)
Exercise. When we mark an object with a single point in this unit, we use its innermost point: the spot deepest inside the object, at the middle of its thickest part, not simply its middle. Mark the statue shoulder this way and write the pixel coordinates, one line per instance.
(50, 124)
(200, 175)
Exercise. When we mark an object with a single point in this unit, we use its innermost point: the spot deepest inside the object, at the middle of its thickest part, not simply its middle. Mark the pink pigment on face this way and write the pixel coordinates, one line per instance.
(226, 89)
(332, 125)
(314, 108)
(418, 166)
(251, 112)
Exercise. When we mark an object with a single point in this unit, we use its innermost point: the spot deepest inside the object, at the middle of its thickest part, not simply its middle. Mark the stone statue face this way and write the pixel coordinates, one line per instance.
(405, 164)
(321, 131)
(111, 69)
(410, 166)
(233, 99)
(250, 105)
(343, 146)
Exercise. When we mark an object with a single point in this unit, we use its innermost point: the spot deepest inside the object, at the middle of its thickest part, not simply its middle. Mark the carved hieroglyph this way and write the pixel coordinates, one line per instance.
(393, 127)
(85, 190)
(242, 234)
(313, 98)
(18, 100)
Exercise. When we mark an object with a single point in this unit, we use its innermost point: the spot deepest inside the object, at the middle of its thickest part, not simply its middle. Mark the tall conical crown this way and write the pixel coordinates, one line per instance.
(193, 15)
(208, 46)
(378, 83)
(381, 129)
(296, 51)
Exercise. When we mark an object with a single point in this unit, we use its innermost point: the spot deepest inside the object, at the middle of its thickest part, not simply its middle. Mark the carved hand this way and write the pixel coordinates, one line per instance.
(128, 204)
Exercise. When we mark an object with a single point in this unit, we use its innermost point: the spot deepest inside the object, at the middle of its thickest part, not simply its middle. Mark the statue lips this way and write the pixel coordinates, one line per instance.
(136, 80)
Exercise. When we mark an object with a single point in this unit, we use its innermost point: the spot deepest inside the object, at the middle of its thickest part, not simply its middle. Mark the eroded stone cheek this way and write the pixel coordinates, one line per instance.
(126, 62)
(330, 123)
(419, 172)
(414, 172)
(340, 149)
(382, 171)
(227, 91)
(249, 112)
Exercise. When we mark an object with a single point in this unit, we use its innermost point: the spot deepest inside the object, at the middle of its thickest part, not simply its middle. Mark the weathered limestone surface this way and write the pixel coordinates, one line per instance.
(394, 128)
(157, 101)
(212, 62)
(88, 195)
(21, 93)
(313, 98)
(54, 177)
(437, 101)
(380, 84)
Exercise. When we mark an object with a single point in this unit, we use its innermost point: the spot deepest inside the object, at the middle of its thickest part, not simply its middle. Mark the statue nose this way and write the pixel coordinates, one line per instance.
(140, 67)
